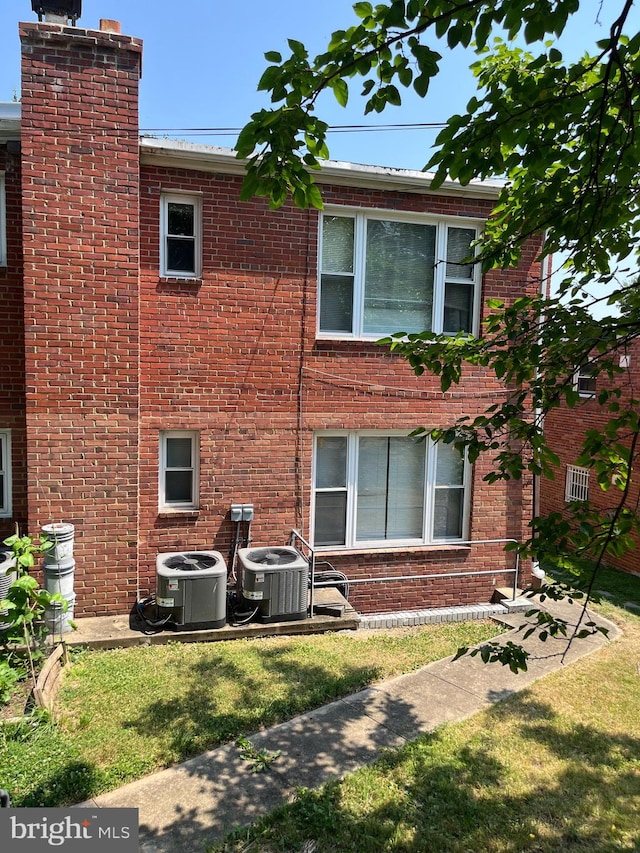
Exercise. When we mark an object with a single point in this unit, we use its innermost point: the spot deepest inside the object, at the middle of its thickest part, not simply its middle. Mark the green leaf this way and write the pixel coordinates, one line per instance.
(340, 90)
(363, 10)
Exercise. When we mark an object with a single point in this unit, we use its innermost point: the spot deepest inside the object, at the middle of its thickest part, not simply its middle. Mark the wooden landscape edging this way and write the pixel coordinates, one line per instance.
(48, 682)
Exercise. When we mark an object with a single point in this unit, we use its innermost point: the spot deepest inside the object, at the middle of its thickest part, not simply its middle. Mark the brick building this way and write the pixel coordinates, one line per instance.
(170, 350)
(565, 430)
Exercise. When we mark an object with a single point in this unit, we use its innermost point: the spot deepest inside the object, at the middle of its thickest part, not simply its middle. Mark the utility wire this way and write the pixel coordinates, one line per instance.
(338, 128)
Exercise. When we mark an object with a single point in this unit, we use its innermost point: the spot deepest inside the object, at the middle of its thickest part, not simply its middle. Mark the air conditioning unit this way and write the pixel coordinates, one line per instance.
(192, 589)
(276, 579)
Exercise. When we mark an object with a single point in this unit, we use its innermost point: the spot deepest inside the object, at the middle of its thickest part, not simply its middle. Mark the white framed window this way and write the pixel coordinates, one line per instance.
(180, 235)
(382, 273)
(179, 469)
(375, 488)
(5, 473)
(3, 222)
(584, 380)
(576, 485)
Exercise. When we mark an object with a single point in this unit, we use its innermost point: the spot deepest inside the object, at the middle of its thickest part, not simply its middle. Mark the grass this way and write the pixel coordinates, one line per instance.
(128, 712)
(554, 768)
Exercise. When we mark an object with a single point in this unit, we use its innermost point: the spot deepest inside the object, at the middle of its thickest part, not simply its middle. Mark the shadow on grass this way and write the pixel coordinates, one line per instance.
(197, 720)
(444, 794)
(613, 585)
(37, 768)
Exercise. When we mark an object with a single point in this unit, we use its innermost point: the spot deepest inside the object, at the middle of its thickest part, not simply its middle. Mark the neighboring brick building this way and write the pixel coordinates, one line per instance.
(170, 350)
(566, 429)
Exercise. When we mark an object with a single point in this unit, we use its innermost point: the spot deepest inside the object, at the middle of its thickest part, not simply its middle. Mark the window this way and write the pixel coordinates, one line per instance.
(373, 488)
(3, 223)
(178, 487)
(180, 227)
(576, 486)
(5, 473)
(584, 380)
(380, 275)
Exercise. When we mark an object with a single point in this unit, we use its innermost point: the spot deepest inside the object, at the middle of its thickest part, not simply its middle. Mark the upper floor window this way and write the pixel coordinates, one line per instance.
(3, 222)
(179, 462)
(380, 275)
(5, 473)
(180, 230)
(373, 488)
(576, 487)
(584, 380)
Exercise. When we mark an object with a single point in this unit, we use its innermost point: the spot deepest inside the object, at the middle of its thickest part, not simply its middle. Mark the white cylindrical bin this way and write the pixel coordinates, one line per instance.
(59, 567)
(7, 576)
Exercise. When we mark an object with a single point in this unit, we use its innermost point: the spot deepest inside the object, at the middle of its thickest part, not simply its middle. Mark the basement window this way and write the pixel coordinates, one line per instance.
(180, 229)
(576, 484)
(5, 473)
(179, 464)
(374, 489)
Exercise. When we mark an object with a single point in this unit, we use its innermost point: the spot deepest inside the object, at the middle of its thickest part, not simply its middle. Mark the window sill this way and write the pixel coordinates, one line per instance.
(180, 279)
(178, 513)
(334, 551)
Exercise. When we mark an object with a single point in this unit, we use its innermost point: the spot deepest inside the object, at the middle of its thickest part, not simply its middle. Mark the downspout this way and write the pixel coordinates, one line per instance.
(545, 287)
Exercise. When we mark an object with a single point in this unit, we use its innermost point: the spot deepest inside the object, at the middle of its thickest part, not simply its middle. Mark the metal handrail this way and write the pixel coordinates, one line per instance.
(473, 573)
(312, 565)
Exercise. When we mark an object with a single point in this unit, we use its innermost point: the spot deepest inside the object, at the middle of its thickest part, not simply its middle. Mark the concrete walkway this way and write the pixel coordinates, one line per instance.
(191, 805)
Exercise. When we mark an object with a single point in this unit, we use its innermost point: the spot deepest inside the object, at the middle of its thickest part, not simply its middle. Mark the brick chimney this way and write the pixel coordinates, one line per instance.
(80, 200)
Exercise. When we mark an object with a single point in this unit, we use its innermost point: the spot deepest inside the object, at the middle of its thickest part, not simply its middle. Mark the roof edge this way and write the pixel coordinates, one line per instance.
(10, 121)
(206, 158)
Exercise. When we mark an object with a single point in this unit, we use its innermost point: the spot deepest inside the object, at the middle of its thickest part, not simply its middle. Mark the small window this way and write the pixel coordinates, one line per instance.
(5, 473)
(178, 486)
(380, 275)
(180, 229)
(3, 223)
(584, 380)
(576, 484)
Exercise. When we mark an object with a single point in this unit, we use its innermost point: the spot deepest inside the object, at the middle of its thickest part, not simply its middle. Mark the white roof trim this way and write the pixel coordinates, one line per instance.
(9, 121)
(208, 158)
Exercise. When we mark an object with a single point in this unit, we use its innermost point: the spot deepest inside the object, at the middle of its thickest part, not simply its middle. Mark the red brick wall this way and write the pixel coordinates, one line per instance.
(12, 391)
(240, 362)
(80, 194)
(565, 430)
(114, 353)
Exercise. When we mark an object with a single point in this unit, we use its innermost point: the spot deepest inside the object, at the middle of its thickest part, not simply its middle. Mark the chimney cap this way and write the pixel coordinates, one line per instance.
(69, 9)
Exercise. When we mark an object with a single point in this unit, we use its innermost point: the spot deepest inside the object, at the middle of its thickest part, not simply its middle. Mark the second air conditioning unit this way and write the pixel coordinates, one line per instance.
(276, 580)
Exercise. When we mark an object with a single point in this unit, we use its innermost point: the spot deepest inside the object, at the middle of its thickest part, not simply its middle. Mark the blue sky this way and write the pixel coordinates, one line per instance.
(202, 60)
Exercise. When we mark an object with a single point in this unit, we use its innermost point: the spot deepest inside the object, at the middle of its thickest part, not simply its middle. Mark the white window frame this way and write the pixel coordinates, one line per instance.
(441, 223)
(584, 373)
(164, 504)
(427, 538)
(6, 490)
(195, 200)
(576, 486)
(3, 221)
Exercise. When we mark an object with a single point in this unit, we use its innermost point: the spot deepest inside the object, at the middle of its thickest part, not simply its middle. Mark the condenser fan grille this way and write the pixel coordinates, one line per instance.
(272, 556)
(191, 562)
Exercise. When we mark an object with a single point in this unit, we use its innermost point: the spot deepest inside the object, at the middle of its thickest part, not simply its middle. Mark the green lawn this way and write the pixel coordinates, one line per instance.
(555, 768)
(128, 712)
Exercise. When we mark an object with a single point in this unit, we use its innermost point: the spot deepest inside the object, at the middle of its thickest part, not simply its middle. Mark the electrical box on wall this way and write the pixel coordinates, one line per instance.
(241, 512)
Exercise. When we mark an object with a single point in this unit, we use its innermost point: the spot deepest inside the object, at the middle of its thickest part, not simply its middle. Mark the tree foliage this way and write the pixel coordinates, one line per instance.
(564, 137)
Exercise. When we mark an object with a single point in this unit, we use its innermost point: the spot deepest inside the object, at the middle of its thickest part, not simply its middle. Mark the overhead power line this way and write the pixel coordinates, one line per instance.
(338, 128)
